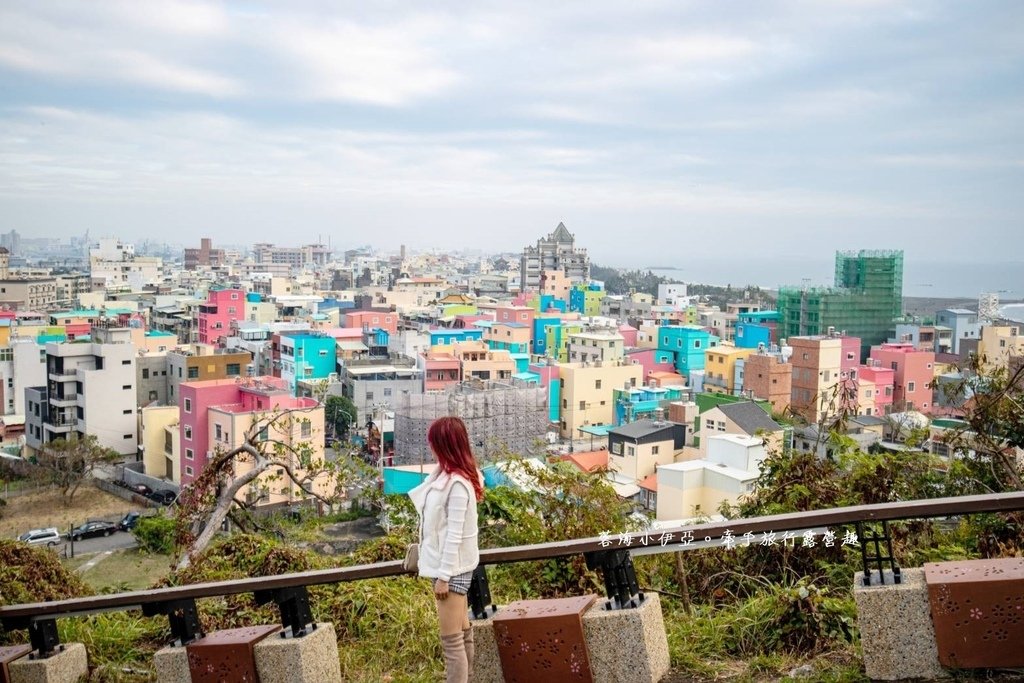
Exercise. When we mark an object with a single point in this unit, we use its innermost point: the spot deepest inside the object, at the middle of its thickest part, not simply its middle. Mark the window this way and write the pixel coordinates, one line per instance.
(654, 450)
(630, 450)
(193, 373)
(720, 426)
(233, 369)
(126, 362)
(709, 424)
(306, 429)
(888, 391)
(679, 343)
(188, 405)
(369, 395)
(145, 373)
(806, 356)
(387, 391)
(696, 343)
(218, 432)
(188, 433)
(168, 442)
(126, 412)
(583, 405)
(188, 470)
(126, 387)
(597, 384)
(910, 387)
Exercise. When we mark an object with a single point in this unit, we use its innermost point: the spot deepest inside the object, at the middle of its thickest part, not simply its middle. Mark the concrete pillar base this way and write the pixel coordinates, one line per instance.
(68, 666)
(896, 632)
(627, 646)
(311, 659)
(171, 664)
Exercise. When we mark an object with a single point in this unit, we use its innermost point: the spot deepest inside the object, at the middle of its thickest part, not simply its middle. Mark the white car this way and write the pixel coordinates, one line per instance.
(49, 537)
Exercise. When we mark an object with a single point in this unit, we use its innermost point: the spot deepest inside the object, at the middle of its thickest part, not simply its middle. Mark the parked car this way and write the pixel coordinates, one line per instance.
(92, 529)
(141, 489)
(129, 521)
(49, 537)
(163, 496)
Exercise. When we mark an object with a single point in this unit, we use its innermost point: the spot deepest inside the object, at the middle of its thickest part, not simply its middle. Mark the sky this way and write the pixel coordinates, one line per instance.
(664, 132)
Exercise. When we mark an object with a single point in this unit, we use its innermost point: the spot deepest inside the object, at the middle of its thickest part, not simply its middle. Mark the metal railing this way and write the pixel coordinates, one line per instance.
(609, 555)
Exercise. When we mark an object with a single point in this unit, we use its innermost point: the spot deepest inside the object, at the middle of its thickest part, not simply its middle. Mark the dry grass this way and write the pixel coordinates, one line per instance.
(44, 509)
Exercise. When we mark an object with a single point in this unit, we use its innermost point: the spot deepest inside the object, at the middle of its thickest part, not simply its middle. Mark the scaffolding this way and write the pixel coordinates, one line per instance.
(500, 417)
(866, 300)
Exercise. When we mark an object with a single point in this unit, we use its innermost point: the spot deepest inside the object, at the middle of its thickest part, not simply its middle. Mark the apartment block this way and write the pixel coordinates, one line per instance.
(913, 372)
(222, 308)
(586, 392)
(90, 390)
(770, 378)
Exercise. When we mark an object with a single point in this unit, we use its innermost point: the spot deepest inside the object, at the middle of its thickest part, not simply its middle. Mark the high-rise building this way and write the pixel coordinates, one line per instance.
(557, 251)
(865, 300)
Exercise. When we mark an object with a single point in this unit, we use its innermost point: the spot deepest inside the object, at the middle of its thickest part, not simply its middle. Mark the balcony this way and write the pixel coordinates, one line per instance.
(66, 401)
(63, 376)
(720, 382)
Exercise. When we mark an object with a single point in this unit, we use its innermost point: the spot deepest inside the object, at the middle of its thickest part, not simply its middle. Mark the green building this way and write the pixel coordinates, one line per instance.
(866, 299)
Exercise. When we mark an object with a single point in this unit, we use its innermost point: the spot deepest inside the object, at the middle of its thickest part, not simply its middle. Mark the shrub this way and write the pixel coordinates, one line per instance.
(155, 534)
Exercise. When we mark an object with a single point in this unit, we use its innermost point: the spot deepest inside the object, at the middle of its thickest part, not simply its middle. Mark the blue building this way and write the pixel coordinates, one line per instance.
(687, 343)
(549, 301)
(446, 337)
(540, 325)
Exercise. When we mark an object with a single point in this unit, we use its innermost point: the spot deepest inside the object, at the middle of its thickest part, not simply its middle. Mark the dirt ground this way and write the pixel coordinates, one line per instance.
(44, 509)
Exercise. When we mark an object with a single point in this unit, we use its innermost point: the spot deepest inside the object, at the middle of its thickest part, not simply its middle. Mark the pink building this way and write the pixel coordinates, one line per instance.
(374, 320)
(232, 395)
(440, 371)
(882, 386)
(222, 307)
(515, 314)
(913, 373)
(850, 358)
(648, 359)
(629, 334)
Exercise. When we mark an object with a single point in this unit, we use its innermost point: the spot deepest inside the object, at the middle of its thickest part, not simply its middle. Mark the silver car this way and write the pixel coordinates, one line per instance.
(49, 537)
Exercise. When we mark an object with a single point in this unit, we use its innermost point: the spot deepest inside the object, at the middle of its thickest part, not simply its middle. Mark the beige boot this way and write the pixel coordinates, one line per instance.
(470, 645)
(455, 664)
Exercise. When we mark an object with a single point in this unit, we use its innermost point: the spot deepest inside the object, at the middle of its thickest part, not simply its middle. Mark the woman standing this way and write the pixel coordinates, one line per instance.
(446, 503)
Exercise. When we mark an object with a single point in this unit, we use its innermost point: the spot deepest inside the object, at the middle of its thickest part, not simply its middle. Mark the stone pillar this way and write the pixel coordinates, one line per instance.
(69, 665)
(896, 632)
(624, 646)
(310, 659)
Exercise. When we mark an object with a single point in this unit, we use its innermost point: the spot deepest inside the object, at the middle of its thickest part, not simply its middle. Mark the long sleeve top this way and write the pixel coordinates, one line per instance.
(448, 526)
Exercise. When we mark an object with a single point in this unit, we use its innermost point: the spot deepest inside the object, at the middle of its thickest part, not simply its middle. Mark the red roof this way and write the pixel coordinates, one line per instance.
(588, 461)
(650, 483)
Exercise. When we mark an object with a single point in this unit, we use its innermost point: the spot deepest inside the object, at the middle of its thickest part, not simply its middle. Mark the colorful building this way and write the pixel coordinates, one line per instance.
(221, 309)
(586, 393)
(447, 337)
(372, 319)
(586, 299)
(913, 374)
(644, 401)
(687, 343)
(307, 356)
(441, 370)
(596, 345)
(768, 377)
(511, 337)
(720, 369)
(876, 385)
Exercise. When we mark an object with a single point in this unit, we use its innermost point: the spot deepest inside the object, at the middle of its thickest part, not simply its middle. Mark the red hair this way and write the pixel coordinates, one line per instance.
(449, 440)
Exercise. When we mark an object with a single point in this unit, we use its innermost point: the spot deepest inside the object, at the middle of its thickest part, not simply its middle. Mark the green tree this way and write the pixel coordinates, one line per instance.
(66, 463)
(340, 414)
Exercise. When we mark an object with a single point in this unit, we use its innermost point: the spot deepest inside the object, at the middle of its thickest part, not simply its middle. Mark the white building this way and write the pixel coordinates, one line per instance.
(694, 488)
(90, 390)
(114, 265)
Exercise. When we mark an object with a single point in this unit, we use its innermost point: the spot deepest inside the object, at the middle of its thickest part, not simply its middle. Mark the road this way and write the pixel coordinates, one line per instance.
(119, 540)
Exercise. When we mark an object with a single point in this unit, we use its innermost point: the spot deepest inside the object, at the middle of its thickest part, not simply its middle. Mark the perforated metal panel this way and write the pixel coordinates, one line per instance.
(542, 640)
(978, 612)
(8, 655)
(226, 656)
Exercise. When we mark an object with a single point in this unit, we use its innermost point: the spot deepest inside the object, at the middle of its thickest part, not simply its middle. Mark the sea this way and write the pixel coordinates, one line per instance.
(932, 279)
(1013, 312)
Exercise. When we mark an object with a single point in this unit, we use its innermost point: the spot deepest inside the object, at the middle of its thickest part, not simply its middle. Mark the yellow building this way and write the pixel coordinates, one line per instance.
(159, 437)
(301, 431)
(479, 361)
(998, 343)
(586, 392)
(720, 369)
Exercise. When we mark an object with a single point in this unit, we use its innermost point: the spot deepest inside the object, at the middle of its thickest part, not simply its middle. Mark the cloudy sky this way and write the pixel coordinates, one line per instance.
(768, 128)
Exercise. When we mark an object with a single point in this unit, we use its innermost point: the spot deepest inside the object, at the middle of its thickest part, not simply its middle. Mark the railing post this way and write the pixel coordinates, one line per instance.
(184, 618)
(293, 603)
(620, 582)
(43, 636)
(882, 561)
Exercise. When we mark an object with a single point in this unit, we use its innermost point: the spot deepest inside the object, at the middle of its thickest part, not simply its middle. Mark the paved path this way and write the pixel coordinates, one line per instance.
(94, 561)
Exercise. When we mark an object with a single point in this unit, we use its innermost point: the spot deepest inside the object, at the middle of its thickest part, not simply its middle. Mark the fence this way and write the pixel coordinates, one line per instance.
(610, 556)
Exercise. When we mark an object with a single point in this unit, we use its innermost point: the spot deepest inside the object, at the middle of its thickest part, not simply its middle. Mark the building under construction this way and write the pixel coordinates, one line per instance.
(500, 417)
(865, 301)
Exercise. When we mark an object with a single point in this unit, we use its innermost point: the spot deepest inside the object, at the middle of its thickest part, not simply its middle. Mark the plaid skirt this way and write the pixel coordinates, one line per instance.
(460, 583)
